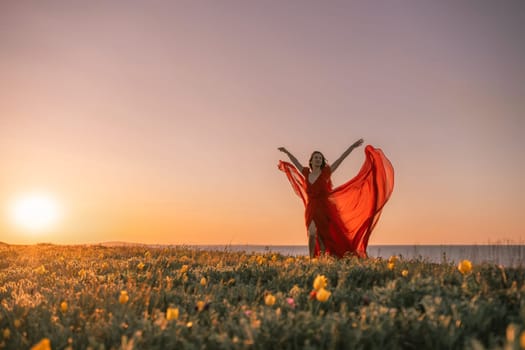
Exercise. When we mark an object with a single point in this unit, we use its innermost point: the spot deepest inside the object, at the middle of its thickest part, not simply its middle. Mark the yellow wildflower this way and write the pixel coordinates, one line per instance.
(172, 313)
(200, 305)
(184, 269)
(320, 282)
(41, 270)
(404, 273)
(63, 306)
(393, 259)
(322, 295)
(465, 266)
(123, 298)
(203, 281)
(278, 312)
(140, 266)
(511, 332)
(255, 323)
(189, 324)
(295, 291)
(17, 323)
(269, 299)
(390, 266)
(6, 333)
(44, 344)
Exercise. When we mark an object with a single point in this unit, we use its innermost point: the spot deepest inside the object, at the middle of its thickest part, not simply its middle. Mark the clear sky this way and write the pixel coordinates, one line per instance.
(159, 121)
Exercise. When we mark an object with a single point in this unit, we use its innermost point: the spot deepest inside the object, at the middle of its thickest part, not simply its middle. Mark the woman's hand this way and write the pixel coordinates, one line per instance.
(357, 143)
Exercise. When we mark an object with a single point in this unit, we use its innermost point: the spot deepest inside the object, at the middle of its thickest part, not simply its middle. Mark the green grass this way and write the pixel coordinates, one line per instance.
(370, 307)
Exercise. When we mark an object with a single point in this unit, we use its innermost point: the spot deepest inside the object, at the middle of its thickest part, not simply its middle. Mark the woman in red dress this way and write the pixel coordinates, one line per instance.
(339, 221)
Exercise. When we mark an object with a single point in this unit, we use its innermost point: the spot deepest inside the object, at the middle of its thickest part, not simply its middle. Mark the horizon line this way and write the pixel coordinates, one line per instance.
(190, 245)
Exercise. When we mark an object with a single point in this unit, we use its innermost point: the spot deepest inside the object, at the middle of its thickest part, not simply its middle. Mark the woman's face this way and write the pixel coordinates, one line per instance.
(317, 159)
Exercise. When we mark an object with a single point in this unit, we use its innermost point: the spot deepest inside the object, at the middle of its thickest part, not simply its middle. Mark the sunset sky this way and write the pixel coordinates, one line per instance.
(159, 121)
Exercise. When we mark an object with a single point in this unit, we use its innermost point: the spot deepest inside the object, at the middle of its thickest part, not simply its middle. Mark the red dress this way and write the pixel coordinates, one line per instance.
(345, 216)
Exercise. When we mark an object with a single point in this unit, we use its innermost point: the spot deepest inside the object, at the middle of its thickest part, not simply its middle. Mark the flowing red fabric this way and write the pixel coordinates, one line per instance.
(346, 215)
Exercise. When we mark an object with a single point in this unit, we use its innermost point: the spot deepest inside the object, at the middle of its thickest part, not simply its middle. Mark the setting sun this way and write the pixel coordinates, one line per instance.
(35, 212)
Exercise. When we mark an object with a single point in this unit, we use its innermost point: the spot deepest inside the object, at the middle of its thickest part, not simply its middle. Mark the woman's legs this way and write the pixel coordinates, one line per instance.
(312, 235)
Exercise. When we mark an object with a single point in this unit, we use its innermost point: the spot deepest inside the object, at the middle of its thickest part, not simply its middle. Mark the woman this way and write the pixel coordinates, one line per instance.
(339, 221)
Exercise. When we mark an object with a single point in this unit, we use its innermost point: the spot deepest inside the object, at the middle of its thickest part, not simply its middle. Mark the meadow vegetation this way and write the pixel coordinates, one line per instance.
(96, 297)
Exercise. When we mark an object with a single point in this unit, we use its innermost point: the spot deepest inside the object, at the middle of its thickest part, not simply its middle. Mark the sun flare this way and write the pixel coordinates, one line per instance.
(35, 212)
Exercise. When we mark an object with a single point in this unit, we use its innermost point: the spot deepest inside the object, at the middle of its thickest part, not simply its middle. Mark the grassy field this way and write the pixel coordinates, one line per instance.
(74, 297)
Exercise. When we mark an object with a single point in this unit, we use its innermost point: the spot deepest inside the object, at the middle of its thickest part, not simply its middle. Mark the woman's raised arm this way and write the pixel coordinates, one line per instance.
(292, 158)
(345, 154)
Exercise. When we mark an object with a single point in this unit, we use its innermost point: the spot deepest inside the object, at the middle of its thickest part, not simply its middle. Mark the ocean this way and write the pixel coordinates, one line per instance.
(506, 255)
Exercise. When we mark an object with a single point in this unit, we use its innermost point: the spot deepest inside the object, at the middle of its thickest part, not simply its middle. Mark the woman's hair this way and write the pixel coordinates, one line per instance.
(312, 157)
